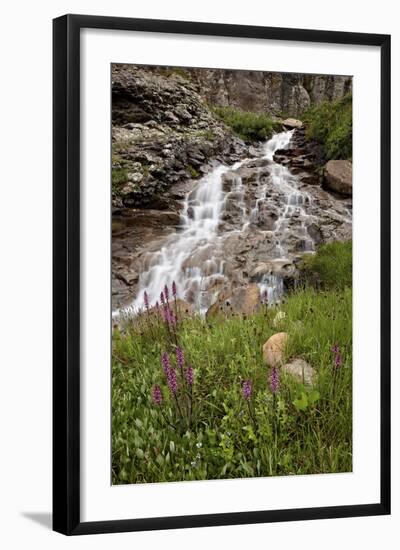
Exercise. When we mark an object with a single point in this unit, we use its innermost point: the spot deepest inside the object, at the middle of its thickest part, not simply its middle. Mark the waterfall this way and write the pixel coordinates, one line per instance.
(188, 256)
(199, 227)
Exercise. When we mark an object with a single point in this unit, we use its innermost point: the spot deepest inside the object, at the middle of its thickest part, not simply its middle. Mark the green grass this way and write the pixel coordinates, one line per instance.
(330, 123)
(193, 172)
(331, 267)
(299, 431)
(248, 126)
(119, 176)
(176, 71)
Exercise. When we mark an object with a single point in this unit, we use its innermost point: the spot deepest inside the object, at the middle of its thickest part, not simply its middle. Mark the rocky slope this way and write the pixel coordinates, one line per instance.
(276, 93)
(162, 133)
(272, 211)
(165, 138)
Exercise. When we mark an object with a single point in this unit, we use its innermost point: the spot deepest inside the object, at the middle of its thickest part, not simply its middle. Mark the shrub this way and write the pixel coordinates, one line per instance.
(331, 266)
(247, 125)
(330, 123)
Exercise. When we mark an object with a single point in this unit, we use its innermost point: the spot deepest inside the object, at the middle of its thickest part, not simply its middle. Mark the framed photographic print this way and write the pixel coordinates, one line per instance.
(221, 274)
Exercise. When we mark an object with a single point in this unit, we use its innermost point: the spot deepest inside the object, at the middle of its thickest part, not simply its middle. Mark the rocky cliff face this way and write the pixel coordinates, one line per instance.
(162, 133)
(276, 93)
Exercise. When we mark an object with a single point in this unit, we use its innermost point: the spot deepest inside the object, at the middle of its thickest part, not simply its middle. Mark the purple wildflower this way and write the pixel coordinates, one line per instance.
(338, 360)
(156, 394)
(166, 365)
(274, 380)
(247, 389)
(166, 292)
(162, 299)
(172, 382)
(337, 356)
(174, 289)
(173, 318)
(167, 315)
(146, 300)
(157, 308)
(180, 357)
(189, 375)
(264, 297)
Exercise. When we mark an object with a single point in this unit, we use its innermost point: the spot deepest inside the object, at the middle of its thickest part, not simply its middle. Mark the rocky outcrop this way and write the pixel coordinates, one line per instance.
(291, 123)
(261, 91)
(304, 157)
(162, 133)
(239, 301)
(249, 227)
(338, 176)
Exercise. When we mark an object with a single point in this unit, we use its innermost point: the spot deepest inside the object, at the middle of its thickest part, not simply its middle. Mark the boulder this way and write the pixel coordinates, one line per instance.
(300, 369)
(243, 300)
(292, 123)
(274, 349)
(338, 176)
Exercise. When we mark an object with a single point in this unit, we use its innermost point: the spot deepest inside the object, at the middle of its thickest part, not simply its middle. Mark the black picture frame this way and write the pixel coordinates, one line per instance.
(66, 273)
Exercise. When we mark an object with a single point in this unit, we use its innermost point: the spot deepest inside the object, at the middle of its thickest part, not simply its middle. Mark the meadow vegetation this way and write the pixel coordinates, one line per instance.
(192, 398)
(247, 125)
(330, 124)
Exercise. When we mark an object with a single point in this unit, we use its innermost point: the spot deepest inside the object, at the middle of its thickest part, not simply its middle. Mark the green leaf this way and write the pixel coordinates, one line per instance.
(302, 403)
(139, 453)
(313, 397)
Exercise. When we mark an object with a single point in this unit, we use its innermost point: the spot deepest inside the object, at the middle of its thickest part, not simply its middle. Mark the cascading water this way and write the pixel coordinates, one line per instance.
(189, 256)
(200, 219)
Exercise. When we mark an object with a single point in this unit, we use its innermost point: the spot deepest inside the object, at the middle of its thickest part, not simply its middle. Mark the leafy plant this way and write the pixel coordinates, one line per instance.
(330, 123)
(331, 266)
(247, 125)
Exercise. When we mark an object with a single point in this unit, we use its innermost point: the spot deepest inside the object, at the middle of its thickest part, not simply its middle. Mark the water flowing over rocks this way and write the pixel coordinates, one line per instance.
(162, 133)
(240, 224)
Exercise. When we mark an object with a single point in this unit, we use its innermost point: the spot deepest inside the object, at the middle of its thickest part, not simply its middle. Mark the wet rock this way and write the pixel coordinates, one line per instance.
(312, 179)
(301, 370)
(129, 277)
(315, 233)
(239, 301)
(338, 176)
(274, 349)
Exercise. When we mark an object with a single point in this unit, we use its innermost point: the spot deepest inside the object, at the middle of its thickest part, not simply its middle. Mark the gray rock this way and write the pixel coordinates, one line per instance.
(338, 176)
(301, 370)
(135, 177)
(292, 123)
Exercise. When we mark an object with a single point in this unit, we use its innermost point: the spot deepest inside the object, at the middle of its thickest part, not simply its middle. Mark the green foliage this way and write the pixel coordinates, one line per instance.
(247, 125)
(330, 123)
(193, 172)
(299, 430)
(176, 71)
(331, 266)
(119, 176)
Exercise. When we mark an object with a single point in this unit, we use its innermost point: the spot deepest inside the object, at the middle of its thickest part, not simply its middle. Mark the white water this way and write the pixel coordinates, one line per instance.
(189, 257)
